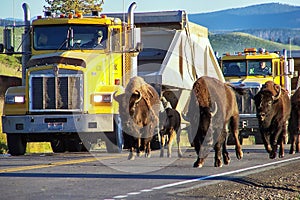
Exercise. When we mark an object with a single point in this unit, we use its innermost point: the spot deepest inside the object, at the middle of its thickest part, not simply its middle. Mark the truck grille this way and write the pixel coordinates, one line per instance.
(246, 103)
(56, 93)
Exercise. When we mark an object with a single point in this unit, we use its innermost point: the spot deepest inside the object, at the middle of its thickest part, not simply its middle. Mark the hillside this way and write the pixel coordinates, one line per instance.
(271, 15)
(237, 41)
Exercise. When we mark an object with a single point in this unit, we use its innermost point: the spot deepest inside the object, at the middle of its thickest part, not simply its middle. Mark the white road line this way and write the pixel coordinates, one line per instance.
(204, 178)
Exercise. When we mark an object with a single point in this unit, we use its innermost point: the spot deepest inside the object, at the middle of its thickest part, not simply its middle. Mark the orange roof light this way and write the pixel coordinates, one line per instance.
(250, 50)
(79, 15)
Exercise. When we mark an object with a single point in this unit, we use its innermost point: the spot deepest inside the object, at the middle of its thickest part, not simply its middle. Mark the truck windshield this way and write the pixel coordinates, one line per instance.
(234, 68)
(247, 67)
(260, 67)
(69, 37)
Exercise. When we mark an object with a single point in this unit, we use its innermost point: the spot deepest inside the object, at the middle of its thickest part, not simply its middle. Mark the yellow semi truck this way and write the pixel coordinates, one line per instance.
(69, 76)
(250, 70)
(71, 65)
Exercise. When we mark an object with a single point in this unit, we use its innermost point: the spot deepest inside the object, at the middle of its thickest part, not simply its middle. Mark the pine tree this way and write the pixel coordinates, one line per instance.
(67, 6)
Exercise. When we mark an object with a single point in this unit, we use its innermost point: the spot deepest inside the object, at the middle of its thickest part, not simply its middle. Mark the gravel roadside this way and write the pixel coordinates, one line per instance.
(282, 182)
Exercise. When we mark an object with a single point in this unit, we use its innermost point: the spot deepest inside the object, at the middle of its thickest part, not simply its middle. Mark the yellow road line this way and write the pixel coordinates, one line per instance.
(54, 164)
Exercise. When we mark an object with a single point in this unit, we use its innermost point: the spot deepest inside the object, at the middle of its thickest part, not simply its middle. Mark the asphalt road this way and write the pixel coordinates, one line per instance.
(99, 175)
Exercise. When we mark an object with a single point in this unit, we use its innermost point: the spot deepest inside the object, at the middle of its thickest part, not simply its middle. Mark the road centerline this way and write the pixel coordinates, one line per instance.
(54, 164)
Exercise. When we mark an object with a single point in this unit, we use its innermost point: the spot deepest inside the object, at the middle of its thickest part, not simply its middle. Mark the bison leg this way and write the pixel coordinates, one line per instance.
(226, 158)
(131, 155)
(235, 130)
(293, 144)
(200, 161)
(281, 149)
(217, 148)
(298, 143)
(273, 153)
(178, 144)
(172, 135)
(163, 139)
(138, 147)
(147, 147)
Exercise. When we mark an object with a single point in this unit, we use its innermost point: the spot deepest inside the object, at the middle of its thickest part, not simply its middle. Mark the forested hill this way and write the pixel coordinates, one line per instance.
(270, 15)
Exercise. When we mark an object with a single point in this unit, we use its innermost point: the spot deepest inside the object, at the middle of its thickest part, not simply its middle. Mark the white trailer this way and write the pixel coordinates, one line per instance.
(175, 53)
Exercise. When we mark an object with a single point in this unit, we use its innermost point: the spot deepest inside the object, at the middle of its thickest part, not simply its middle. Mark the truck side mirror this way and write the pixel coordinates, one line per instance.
(290, 67)
(133, 43)
(7, 40)
(1, 48)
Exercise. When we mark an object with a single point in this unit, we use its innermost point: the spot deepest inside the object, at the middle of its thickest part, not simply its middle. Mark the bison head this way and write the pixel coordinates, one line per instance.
(130, 112)
(264, 102)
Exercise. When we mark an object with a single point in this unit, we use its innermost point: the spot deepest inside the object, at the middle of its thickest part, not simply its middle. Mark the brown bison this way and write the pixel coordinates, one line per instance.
(273, 111)
(212, 113)
(294, 123)
(170, 127)
(139, 110)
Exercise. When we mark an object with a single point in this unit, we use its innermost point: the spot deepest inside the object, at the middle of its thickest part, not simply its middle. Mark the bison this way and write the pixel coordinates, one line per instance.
(170, 127)
(212, 113)
(273, 111)
(294, 123)
(139, 111)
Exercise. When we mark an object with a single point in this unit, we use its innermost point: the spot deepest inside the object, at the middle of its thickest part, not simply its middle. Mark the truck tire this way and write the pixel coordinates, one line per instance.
(74, 145)
(114, 140)
(16, 144)
(58, 145)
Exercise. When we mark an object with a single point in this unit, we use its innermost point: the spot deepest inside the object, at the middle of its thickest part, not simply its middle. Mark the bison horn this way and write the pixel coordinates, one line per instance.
(214, 112)
(140, 96)
(278, 95)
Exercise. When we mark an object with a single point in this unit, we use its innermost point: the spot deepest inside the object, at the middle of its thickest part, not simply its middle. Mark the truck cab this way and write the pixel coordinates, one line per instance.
(71, 66)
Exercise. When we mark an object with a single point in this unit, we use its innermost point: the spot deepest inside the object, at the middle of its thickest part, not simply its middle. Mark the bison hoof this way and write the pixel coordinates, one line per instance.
(226, 160)
(140, 154)
(239, 154)
(131, 157)
(197, 165)
(218, 163)
(147, 155)
(272, 155)
(281, 155)
(292, 152)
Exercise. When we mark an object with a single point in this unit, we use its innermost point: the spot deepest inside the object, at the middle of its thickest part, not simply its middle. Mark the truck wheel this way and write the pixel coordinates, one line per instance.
(114, 140)
(58, 146)
(16, 144)
(74, 145)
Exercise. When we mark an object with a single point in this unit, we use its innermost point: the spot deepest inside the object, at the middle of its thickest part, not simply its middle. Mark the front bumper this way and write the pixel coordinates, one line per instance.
(58, 123)
(249, 121)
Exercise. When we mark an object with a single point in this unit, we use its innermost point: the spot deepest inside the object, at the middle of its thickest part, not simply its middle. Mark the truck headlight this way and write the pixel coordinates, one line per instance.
(14, 99)
(98, 99)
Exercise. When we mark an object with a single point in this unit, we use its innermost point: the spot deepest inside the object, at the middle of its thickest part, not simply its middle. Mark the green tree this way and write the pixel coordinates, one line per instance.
(67, 6)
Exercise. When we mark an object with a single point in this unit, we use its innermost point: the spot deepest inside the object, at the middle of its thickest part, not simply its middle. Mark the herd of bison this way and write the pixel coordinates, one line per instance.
(212, 113)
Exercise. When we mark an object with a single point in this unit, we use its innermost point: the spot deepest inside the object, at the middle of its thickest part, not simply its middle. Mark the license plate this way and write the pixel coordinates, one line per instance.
(55, 126)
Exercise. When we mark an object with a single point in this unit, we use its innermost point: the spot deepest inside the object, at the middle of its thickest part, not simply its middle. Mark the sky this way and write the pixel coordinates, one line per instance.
(13, 8)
